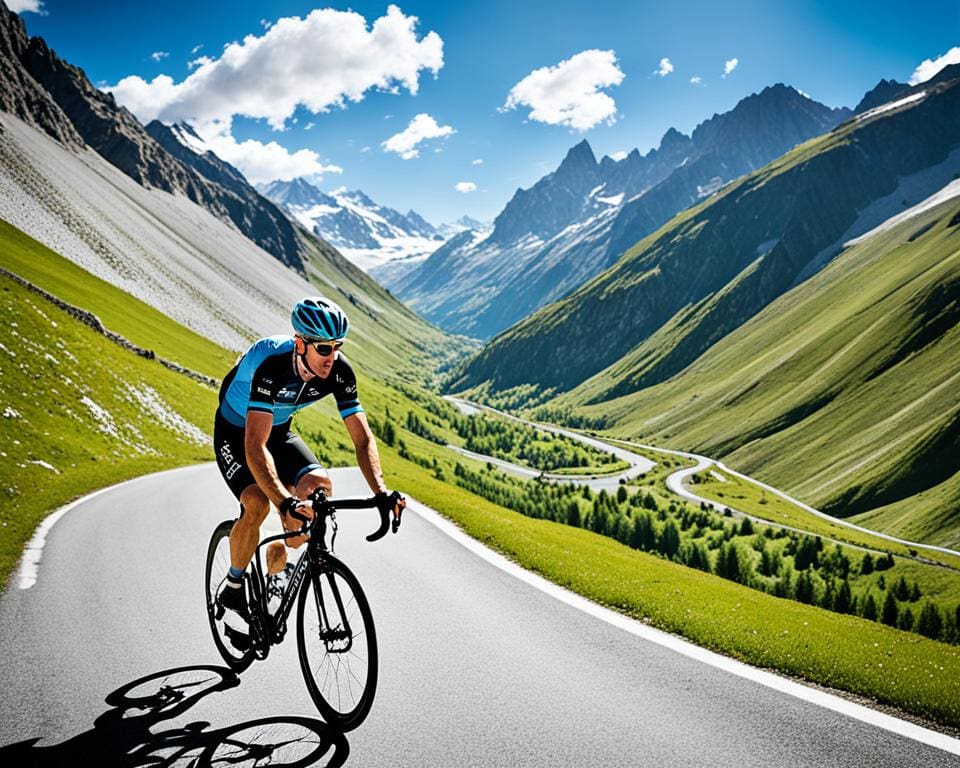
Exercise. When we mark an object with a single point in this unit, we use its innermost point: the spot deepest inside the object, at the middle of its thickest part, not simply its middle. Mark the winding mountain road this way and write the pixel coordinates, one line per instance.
(108, 661)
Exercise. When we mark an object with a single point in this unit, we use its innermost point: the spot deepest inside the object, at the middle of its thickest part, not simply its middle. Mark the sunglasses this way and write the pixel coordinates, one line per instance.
(325, 349)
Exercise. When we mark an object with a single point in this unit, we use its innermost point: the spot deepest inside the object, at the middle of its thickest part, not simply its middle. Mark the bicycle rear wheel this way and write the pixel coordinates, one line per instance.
(218, 564)
(337, 643)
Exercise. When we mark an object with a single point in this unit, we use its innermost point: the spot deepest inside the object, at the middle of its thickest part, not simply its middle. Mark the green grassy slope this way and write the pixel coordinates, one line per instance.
(844, 392)
(78, 412)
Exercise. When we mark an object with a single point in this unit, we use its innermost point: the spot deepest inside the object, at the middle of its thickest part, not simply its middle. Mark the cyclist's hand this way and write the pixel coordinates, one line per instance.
(293, 517)
(390, 506)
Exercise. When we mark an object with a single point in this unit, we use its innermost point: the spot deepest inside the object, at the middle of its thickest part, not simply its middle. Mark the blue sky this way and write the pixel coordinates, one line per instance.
(464, 60)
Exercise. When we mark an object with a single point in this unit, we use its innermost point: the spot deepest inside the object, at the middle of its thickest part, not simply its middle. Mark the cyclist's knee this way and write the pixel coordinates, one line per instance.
(317, 478)
(254, 505)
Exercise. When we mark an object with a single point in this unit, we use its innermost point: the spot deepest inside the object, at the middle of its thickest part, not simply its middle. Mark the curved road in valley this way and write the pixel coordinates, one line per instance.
(479, 666)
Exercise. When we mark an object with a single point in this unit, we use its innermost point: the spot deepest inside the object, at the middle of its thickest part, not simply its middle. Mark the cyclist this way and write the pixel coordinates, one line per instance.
(261, 459)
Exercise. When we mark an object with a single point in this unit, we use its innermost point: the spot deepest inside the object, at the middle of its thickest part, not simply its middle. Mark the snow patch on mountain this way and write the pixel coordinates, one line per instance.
(367, 233)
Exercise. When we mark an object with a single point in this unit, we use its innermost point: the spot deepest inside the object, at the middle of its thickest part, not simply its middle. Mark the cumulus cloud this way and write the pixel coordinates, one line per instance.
(618, 156)
(465, 186)
(421, 128)
(199, 62)
(930, 67)
(665, 68)
(159, 55)
(196, 48)
(729, 66)
(478, 161)
(570, 93)
(320, 62)
(696, 80)
(260, 161)
(26, 6)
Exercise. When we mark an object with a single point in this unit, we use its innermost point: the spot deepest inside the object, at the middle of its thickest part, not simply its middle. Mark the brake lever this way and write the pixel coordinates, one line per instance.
(386, 522)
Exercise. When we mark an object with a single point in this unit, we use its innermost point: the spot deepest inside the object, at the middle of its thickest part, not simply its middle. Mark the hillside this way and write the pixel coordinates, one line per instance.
(843, 392)
(710, 269)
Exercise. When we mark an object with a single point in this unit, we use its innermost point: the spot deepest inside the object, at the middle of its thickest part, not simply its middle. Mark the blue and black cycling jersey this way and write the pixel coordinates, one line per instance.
(265, 379)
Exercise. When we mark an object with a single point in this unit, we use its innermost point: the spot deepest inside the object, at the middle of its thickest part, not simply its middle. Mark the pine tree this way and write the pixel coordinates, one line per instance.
(870, 608)
(746, 527)
(804, 587)
(843, 600)
(901, 591)
(914, 592)
(670, 539)
(930, 622)
(905, 620)
(889, 613)
(866, 565)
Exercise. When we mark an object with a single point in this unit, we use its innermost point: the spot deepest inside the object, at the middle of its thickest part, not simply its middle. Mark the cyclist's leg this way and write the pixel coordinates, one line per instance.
(229, 448)
(299, 471)
(254, 507)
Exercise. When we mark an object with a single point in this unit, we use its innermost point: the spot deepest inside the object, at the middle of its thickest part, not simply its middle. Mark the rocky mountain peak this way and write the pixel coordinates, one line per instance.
(579, 159)
(21, 94)
(672, 140)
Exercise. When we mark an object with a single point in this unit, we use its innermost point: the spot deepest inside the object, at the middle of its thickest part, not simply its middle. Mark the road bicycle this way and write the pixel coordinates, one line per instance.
(336, 638)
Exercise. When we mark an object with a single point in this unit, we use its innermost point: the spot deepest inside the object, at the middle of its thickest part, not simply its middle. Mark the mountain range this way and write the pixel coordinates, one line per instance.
(577, 221)
(366, 233)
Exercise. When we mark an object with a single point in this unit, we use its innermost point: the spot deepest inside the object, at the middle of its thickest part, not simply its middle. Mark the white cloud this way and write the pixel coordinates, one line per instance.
(422, 127)
(196, 48)
(322, 61)
(266, 24)
(930, 67)
(465, 187)
(618, 156)
(261, 162)
(365, 149)
(729, 66)
(159, 55)
(478, 161)
(665, 68)
(696, 80)
(26, 6)
(570, 92)
(199, 62)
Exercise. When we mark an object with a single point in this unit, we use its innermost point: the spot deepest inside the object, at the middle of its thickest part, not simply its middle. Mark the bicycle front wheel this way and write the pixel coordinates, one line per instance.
(218, 565)
(337, 644)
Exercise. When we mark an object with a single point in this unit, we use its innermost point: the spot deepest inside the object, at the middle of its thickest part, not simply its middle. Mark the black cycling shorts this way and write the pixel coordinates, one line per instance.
(292, 457)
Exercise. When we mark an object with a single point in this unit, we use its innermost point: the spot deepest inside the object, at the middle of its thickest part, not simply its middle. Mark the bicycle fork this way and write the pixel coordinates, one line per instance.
(335, 634)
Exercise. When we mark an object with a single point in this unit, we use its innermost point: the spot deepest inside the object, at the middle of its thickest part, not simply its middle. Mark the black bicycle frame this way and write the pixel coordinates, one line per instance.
(269, 629)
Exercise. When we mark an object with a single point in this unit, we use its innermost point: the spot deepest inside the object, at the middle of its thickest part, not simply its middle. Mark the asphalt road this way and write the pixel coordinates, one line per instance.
(478, 668)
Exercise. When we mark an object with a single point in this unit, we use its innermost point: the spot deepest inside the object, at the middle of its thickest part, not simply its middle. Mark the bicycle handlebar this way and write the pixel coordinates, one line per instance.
(319, 500)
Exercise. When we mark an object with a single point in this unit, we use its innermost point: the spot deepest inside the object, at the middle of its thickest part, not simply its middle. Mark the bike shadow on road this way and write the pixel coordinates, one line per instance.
(123, 736)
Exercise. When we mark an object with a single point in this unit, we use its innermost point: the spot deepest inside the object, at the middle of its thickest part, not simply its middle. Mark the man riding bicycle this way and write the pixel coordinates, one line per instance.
(260, 458)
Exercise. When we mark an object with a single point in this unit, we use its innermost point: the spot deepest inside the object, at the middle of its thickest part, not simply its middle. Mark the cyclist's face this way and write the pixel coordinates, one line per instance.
(322, 363)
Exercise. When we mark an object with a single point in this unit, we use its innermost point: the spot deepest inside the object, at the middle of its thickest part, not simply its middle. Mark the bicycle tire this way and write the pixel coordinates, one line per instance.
(218, 563)
(342, 683)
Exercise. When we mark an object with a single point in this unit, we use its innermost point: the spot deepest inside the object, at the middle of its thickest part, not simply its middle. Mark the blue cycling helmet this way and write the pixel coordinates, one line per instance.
(319, 318)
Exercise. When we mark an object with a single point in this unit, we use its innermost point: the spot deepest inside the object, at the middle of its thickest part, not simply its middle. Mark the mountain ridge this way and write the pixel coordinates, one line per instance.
(575, 222)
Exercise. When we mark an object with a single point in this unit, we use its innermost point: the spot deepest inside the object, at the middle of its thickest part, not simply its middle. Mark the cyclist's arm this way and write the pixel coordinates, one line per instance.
(259, 459)
(366, 448)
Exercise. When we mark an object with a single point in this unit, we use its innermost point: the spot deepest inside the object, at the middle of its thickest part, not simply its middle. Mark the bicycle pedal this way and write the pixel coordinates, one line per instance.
(239, 640)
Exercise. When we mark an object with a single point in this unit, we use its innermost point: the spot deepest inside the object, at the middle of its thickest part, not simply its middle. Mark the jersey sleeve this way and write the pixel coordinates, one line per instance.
(345, 392)
(263, 388)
